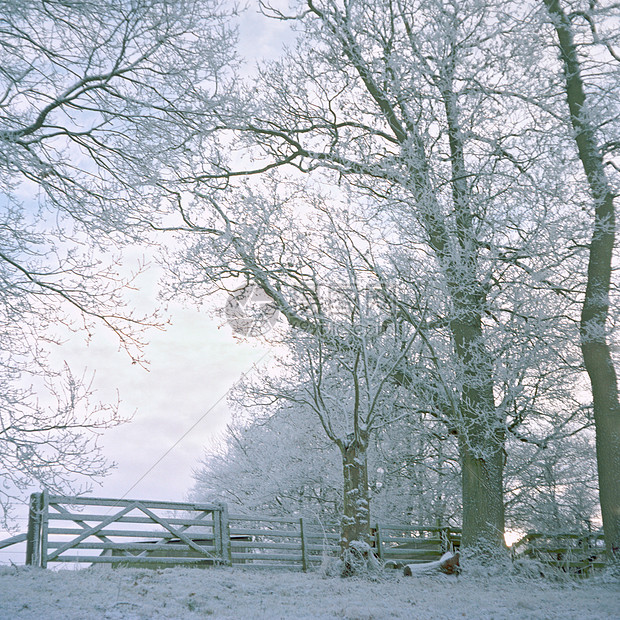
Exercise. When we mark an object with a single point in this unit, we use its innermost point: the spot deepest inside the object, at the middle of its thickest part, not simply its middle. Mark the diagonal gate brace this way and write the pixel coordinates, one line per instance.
(91, 531)
(177, 533)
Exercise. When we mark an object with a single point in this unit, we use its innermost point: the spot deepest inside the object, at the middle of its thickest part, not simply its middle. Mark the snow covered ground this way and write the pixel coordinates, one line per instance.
(132, 594)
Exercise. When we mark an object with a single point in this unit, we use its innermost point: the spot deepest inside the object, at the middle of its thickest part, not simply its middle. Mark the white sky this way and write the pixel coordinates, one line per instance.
(192, 366)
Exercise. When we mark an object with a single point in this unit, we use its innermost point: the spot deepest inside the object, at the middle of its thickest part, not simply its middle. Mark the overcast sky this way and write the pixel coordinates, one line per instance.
(193, 364)
(179, 405)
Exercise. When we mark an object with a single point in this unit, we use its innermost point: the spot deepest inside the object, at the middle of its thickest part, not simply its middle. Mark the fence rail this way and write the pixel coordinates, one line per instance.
(574, 553)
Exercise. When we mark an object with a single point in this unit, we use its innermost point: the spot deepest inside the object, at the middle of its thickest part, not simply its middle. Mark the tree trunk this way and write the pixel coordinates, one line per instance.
(481, 433)
(355, 524)
(594, 345)
(481, 442)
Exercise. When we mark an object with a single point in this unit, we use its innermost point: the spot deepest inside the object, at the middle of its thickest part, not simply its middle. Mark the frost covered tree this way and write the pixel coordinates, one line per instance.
(275, 460)
(589, 46)
(352, 394)
(553, 487)
(95, 100)
(278, 459)
(399, 104)
(312, 258)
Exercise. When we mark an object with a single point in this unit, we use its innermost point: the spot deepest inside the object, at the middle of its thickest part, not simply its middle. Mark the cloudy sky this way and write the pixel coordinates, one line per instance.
(179, 405)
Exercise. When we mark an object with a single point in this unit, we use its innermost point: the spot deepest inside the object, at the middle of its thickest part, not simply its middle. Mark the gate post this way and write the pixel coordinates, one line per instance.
(44, 521)
(33, 537)
(304, 547)
(225, 529)
(379, 542)
(217, 532)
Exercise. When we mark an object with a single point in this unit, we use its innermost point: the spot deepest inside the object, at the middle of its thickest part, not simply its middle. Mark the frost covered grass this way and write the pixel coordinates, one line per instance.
(132, 594)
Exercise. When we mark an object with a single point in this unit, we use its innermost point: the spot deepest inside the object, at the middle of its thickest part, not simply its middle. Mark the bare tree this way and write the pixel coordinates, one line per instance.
(344, 342)
(399, 101)
(94, 97)
(577, 29)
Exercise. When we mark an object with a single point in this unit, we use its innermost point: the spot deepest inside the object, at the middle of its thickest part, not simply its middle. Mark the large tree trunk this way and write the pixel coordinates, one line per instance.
(355, 524)
(594, 345)
(481, 433)
(481, 442)
(454, 242)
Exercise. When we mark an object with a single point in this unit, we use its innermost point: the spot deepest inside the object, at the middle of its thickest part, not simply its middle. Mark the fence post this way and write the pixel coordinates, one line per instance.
(33, 537)
(304, 549)
(225, 535)
(379, 542)
(44, 522)
(444, 535)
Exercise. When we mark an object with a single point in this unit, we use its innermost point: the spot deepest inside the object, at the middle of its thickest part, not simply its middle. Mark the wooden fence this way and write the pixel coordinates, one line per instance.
(110, 531)
(573, 553)
(158, 534)
(410, 544)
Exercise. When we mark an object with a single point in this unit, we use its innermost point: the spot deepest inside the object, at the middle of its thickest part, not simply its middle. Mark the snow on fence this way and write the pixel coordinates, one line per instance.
(119, 531)
(157, 534)
(570, 552)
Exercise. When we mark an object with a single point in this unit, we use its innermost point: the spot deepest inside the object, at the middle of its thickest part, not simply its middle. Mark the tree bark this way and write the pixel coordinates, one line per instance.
(355, 524)
(481, 433)
(481, 442)
(593, 329)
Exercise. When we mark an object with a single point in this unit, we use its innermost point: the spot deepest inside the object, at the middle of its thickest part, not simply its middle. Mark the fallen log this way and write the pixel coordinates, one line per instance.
(448, 563)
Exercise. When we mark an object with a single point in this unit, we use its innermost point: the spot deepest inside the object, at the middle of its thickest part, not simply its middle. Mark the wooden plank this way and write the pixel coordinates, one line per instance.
(117, 503)
(312, 547)
(14, 540)
(379, 541)
(304, 545)
(237, 531)
(58, 531)
(125, 559)
(270, 566)
(132, 533)
(83, 525)
(257, 544)
(44, 505)
(184, 528)
(409, 528)
(266, 556)
(217, 533)
(392, 551)
(175, 532)
(226, 542)
(73, 516)
(426, 542)
(253, 518)
(33, 536)
(129, 546)
(320, 536)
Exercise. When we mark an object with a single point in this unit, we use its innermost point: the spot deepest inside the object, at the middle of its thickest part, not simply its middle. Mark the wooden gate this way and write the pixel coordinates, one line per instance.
(126, 532)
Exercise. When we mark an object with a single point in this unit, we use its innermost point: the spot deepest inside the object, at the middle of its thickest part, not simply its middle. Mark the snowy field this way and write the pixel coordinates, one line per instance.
(132, 594)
